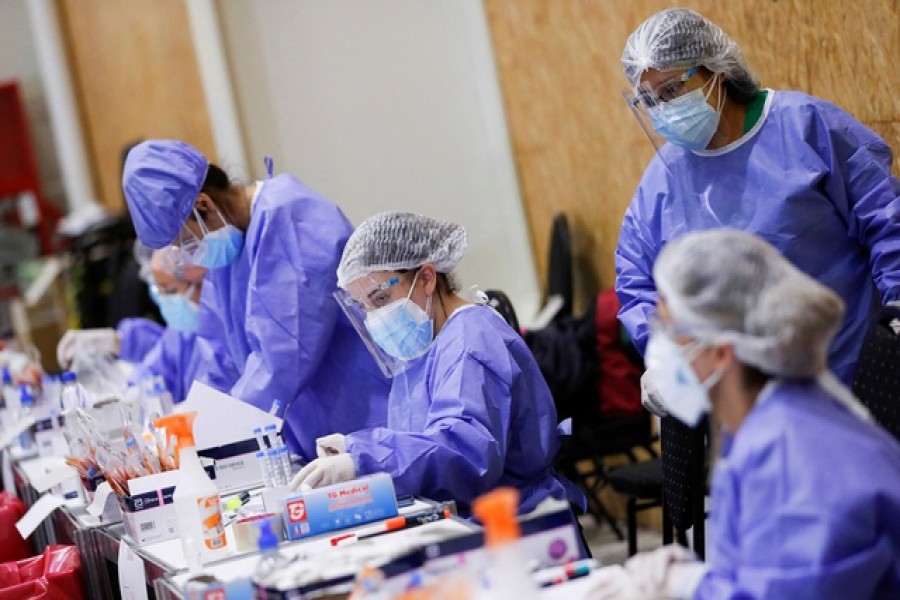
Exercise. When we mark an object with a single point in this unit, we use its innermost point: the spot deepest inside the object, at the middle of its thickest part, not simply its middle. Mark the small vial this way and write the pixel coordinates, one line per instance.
(264, 467)
(275, 466)
(284, 458)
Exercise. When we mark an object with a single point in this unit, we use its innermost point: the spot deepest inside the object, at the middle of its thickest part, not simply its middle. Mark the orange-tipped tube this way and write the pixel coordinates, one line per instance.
(498, 510)
(181, 425)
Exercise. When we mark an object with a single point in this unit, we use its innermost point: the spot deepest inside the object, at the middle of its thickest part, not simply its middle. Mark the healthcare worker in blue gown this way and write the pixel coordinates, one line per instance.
(469, 409)
(167, 351)
(271, 248)
(796, 170)
(806, 491)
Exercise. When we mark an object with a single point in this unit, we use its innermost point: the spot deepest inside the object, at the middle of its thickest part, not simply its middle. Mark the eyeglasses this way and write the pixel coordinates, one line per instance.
(664, 92)
(378, 296)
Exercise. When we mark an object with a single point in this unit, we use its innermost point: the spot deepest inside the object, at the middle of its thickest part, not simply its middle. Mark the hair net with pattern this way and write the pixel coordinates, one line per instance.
(724, 285)
(162, 179)
(679, 38)
(392, 241)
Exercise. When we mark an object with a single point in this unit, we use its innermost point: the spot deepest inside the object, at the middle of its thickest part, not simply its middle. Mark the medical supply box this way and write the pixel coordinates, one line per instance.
(339, 506)
(148, 513)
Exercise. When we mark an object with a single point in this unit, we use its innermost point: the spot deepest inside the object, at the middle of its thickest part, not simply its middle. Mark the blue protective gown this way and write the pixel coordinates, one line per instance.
(175, 359)
(809, 179)
(284, 334)
(137, 337)
(472, 414)
(805, 504)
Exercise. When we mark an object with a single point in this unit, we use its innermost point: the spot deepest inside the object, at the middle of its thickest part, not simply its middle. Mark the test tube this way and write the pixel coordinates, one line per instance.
(271, 434)
(264, 467)
(284, 459)
(275, 466)
(276, 406)
(258, 434)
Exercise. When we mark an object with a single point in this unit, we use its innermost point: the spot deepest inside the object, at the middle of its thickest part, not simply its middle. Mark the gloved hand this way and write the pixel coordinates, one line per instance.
(104, 339)
(650, 397)
(330, 445)
(670, 572)
(325, 471)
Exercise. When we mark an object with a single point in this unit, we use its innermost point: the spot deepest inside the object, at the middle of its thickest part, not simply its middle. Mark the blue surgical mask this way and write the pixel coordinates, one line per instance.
(219, 248)
(180, 312)
(402, 329)
(687, 121)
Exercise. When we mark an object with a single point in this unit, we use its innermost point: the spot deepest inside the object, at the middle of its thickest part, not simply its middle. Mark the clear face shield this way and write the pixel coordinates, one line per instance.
(395, 329)
(646, 101)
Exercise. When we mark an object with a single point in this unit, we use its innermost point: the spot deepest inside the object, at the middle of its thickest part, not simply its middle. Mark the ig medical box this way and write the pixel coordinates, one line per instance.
(339, 506)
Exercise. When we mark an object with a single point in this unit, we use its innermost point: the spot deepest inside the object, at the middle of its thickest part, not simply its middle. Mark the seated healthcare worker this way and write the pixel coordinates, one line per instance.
(806, 493)
(167, 351)
(273, 331)
(794, 169)
(469, 409)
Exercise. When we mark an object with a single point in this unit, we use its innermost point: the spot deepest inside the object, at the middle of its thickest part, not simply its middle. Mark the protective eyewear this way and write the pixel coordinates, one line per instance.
(377, 296)
(189, 242)
(647, 97)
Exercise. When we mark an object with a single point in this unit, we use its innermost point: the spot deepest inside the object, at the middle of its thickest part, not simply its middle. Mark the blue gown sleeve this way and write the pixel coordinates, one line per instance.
(173, 358)
(461, 451)
(864, 190)
(291, 313)
(136, 338)
(213, 363)
(791, 546)
(635, 254)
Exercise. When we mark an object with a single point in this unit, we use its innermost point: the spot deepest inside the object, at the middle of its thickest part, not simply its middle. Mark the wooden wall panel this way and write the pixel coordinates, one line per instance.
(136, 76)
(579, 150)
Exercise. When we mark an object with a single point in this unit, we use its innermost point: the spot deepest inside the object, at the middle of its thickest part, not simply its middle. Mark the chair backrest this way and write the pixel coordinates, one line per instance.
(684, 470)
(503, 305)
(559, 264)
(877, 381)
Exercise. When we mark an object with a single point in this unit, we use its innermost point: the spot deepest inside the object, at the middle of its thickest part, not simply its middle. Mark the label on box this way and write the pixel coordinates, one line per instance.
(150, 517)
(339, 506)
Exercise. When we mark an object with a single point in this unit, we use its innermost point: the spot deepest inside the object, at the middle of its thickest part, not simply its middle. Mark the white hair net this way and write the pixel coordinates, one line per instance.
(677, 38)
(725, 285)
(392, 241)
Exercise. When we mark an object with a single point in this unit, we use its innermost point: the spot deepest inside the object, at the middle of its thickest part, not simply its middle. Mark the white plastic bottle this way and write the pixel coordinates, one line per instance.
(26, 438)
(197, 504)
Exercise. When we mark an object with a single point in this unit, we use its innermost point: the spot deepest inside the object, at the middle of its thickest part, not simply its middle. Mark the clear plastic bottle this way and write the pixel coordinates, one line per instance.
(10, 398)
(164, 398)
(72, 395)
(26, 401)
(270, 561)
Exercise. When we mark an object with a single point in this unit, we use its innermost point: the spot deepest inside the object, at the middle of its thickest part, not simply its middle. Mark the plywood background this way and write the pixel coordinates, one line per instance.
(579, 150)
(136, 77)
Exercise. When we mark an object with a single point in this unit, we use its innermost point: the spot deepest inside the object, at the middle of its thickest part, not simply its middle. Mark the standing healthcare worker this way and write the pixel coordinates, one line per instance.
(806, 492)
(469, 409)
(271, 248)
(796, 170)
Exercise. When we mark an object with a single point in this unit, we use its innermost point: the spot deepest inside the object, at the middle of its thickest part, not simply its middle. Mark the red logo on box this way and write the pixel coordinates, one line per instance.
(296, 510)
(214, 595)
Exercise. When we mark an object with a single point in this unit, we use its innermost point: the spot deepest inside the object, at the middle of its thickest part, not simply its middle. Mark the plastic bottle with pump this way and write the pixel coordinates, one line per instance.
(507, 575)
(197, 504)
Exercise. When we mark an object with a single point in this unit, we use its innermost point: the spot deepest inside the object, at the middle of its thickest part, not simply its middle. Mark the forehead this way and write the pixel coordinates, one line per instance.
(653, 77)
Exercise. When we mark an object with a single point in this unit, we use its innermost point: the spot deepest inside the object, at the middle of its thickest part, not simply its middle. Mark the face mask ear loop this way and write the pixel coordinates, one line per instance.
(200, 222)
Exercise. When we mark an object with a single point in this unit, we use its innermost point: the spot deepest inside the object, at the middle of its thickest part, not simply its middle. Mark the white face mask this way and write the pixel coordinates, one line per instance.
(685, 397)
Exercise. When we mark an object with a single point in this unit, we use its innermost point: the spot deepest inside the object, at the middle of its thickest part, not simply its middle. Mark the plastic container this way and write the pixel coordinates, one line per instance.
(507, 574)
(197, 505)
(26, 402)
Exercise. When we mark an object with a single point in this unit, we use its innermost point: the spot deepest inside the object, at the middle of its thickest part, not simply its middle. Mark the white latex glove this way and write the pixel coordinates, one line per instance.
(104, 339)
(325, 471)
(615, 583)
(650, 397)
(330, 445)
(672, 571)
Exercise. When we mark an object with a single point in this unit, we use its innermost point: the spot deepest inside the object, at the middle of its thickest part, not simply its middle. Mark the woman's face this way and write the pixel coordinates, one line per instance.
(377, 290)
(667, 85)
(703, 363)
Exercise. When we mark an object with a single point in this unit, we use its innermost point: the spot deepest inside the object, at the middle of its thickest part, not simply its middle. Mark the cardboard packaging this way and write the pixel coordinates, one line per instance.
(148, 513)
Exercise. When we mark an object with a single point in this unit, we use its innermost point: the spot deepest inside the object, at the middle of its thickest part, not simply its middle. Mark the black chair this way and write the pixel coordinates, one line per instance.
(877, 381)
(502, 304)
(559, 263)
(642, 484)
(684, 463)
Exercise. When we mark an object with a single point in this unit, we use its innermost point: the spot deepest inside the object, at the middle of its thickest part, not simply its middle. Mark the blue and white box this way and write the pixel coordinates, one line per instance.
(339, 506)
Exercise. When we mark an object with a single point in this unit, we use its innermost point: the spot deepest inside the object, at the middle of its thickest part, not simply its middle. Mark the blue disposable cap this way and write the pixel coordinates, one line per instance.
(271, 427)
(67, 376)
(7, 376)
(267, 538)
(25, 396)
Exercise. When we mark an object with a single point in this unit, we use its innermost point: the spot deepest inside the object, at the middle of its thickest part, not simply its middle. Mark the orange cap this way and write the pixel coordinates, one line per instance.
(181, 425)
(498, 510)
